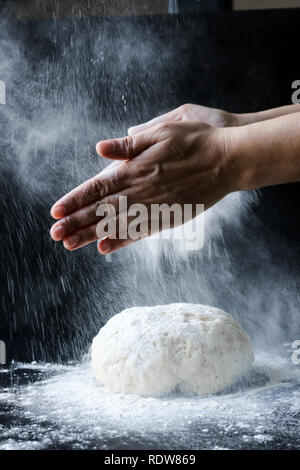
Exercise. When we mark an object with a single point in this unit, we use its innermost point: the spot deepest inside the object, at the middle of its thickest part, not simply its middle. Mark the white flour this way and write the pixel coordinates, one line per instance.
(72, 410)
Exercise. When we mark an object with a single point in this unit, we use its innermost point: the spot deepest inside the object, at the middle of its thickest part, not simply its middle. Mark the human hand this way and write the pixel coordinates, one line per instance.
(172, 162)
(191, 112)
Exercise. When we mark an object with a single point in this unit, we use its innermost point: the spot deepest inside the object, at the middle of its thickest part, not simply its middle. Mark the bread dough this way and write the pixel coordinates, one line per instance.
(187, 348)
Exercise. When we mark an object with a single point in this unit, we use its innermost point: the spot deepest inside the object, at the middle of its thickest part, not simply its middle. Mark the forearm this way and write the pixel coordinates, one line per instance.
(251, 118)
(265, 153)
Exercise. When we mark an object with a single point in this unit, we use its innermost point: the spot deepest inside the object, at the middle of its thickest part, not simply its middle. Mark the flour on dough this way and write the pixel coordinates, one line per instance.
(152, 351)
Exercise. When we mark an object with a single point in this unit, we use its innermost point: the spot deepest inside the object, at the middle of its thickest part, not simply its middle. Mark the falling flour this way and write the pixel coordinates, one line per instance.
(187, 348)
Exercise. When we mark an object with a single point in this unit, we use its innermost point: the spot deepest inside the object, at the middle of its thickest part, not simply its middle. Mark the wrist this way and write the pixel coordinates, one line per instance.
(238, 167)
(239, 120)
(234, 120)
(227, 119)
(262, 154)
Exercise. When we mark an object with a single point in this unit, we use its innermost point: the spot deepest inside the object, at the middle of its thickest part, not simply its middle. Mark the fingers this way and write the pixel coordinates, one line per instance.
(87, 216)
(171, 116)
(77, 211)
(88, 235)
(107, 245)
(134, 232)
(91, 191)
(81, 238)
(111, 180)
(125, 148)
(70, 224)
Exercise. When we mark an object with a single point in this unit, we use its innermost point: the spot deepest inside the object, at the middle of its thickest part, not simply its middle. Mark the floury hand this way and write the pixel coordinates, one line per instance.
(170, 163)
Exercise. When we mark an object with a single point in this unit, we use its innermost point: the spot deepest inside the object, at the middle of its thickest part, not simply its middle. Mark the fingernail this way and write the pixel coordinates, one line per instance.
(98, 147)
(108, 146)
(58, 231)
(73, 241)
(131, 130)
(58, 211)
(105, 246)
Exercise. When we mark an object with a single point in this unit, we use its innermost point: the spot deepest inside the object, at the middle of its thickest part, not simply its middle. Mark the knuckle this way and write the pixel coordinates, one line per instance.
(95, 207)
(70, 223)
(138, 170)
(128, 145)
(166, 130)
(164, 125)
(96, 188)
(163, 128)
(158, 170)
(185, 106)
(104, 207)
(121, 172)
(187, 112)
(111, 184)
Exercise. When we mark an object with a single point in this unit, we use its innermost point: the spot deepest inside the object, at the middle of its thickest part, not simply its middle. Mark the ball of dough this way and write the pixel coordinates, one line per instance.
(187, 348)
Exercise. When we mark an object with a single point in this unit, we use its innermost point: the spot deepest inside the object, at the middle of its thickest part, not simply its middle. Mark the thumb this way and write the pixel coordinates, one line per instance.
(125, 148)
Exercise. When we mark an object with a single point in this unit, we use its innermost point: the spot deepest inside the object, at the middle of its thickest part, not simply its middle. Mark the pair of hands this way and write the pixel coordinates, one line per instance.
(180, 157)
